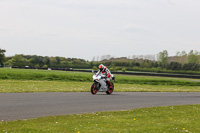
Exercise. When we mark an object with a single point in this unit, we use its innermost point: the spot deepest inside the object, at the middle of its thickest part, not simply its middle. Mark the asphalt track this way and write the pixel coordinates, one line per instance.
(14, 106)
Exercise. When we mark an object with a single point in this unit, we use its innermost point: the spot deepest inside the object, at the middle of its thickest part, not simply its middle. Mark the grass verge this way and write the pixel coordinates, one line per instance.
(17, 86)
(42, 75)
(173, 119)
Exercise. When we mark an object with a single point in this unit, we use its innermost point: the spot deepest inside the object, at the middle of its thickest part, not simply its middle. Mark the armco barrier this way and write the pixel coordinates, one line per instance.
(126, 73)
(160, 74)
(149, 74)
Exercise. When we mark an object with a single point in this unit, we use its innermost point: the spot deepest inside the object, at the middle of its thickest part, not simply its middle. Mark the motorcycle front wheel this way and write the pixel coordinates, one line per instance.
(111, 88)
(94, 88)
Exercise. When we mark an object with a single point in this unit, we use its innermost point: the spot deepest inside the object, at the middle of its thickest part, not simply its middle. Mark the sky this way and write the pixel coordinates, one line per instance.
(89, 28)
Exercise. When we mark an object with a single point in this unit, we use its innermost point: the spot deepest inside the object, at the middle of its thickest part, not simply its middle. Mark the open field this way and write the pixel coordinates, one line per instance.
(13, 86)
(42, 75)
(155, 119)
(24, 80)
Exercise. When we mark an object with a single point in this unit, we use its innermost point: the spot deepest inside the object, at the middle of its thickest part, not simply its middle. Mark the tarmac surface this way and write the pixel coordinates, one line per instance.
(15, 106)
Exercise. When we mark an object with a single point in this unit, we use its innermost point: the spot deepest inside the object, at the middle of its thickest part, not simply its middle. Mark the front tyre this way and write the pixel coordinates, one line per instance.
(111, 88)
(94, 88)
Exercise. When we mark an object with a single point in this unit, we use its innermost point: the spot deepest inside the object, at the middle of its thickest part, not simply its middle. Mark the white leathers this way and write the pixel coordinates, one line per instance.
(104, 72)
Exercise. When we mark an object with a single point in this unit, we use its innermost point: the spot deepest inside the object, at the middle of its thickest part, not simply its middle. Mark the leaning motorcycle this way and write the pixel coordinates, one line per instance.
(100, 85)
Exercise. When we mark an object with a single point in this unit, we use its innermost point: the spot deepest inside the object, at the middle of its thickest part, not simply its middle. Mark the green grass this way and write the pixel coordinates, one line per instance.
(8, 86)
(173, 119)
(24, 80)
(33, 74)
(43, 86)
(44, 75)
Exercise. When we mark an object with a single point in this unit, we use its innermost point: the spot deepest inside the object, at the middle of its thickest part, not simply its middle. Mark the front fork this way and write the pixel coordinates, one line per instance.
(97, 85)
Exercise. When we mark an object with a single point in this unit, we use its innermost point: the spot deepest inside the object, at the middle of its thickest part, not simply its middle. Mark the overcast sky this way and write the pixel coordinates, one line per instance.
(88, 28)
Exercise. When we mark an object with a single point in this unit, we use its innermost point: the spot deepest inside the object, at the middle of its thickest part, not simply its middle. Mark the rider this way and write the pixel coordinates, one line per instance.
(105, 72)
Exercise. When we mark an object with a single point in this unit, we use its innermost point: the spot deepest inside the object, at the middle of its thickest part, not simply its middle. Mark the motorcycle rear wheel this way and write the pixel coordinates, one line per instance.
(111, 89)
(94, 88)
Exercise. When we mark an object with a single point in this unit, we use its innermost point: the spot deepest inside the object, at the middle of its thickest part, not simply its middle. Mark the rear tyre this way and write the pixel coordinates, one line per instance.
(111, 88)
(94, 88)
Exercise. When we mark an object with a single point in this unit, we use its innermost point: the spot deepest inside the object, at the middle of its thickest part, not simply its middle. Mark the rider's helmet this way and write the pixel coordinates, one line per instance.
(101, 67)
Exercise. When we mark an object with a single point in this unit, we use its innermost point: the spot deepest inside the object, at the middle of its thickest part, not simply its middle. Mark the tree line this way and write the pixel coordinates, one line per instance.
(181, 61)
(21, 60)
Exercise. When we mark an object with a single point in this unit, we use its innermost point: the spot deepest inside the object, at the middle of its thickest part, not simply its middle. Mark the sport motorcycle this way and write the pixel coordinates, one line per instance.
(101, 85)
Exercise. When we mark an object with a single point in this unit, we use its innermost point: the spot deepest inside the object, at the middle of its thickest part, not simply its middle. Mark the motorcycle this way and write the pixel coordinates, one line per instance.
(100, 84)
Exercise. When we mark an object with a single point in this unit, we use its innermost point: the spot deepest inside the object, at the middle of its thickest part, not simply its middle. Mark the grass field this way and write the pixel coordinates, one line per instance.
(25, 80)
(27, 74)
(8, 86)
(173, 119)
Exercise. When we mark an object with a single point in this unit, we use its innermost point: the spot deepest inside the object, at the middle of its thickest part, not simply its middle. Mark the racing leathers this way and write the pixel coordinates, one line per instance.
(107, 74)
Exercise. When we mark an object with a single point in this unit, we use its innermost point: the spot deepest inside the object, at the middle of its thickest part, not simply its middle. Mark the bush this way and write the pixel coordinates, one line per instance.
(45, 66)
(37, 66)
(111, 69)
(94, 68)
(123, 69)
(116, 68)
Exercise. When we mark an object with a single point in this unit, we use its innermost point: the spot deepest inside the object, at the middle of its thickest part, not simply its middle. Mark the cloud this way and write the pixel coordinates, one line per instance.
(124, 27)
(134, 28)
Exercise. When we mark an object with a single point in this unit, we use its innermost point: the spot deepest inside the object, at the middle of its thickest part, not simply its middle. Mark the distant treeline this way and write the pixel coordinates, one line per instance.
(181, 62)
(45, 62)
